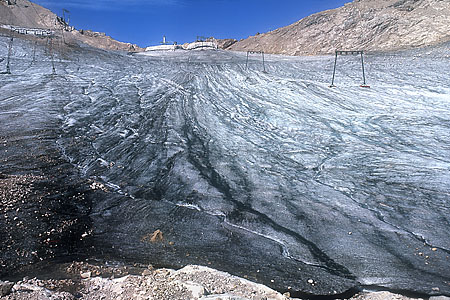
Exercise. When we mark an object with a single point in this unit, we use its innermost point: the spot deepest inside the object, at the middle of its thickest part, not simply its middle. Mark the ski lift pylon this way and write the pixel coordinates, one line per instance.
(350, 52)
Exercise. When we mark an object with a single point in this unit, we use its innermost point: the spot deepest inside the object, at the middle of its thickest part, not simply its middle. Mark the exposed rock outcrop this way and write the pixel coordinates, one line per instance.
(5, 288)
(191, 282)
(225, 43)
(101, 40)
(25, 13)
(374, 25)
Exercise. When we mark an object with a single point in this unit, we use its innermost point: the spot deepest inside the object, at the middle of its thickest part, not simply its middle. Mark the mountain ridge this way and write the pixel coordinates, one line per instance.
(24, 13)
(373, 25)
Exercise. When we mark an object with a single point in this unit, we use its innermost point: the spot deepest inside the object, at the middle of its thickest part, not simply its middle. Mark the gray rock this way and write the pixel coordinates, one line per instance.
(439, 298)
(146, 272)
(380, 296)
(86, 275)
(5, 288)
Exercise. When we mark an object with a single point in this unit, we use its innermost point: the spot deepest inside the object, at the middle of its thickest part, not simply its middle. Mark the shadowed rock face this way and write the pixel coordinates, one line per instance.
(374, 25)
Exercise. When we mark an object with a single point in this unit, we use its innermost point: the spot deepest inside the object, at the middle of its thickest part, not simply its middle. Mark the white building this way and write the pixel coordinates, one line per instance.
(201, 45)
(163, 48)
(198, 45)
(30, 31)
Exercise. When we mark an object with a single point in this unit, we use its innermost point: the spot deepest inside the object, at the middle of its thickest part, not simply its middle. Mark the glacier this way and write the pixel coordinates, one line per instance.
(269, 175)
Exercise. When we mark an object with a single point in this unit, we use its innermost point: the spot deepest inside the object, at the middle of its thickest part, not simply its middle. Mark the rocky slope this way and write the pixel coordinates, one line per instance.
(27, 14)
(191, 282)
(24, 13)
(91, 282)
(373, 25)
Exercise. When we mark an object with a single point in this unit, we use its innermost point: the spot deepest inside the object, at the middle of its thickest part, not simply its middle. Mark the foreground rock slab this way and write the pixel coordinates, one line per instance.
(191, 282)
(5, 287)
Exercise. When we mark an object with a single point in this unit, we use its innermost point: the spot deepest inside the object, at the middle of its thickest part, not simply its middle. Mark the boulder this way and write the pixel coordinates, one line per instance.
(5, 288)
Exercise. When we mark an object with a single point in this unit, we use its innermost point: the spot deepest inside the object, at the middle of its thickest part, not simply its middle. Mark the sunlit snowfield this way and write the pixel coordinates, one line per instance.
(271, 175)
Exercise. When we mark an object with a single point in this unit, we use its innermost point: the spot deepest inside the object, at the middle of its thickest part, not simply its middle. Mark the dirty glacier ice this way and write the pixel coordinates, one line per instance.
(274, 175)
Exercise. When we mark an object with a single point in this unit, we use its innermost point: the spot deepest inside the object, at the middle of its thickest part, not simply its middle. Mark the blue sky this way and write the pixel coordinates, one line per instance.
(144, 22)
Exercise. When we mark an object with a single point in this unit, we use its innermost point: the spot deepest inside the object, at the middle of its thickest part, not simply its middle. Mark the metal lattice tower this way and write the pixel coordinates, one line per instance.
(66, 13)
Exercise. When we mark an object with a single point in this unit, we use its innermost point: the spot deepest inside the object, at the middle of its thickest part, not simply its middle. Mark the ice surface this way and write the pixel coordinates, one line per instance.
(271, 175)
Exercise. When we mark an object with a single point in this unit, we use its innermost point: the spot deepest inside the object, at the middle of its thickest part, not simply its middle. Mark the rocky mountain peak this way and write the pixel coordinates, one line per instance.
(373, 25)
